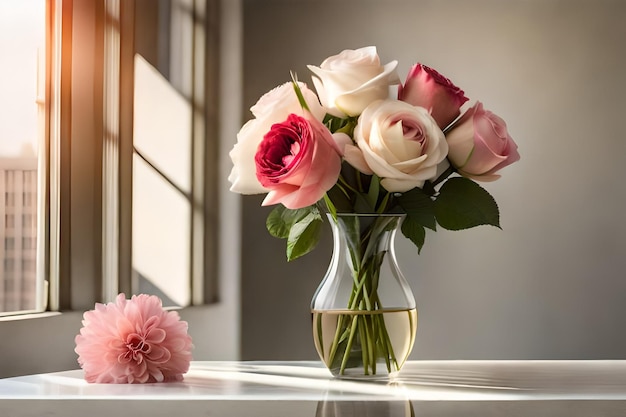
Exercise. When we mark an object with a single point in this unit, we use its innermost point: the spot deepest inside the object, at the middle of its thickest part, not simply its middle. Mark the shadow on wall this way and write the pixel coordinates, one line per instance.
(145, 286)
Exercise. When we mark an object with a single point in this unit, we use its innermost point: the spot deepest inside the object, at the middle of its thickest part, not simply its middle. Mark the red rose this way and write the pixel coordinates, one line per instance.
(425, 87)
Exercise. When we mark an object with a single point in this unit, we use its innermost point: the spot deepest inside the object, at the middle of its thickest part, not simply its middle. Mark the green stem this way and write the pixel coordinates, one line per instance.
(346, 353)
(445, 174)
(366, 331)
(371, 338)
(365, 347)
(383, 204)
(337, 339)
(342, 181)
(386, 344)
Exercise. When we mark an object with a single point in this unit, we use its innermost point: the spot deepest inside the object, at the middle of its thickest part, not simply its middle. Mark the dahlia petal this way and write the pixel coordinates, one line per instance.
(159, 355)
(158, 376)
(156, 336)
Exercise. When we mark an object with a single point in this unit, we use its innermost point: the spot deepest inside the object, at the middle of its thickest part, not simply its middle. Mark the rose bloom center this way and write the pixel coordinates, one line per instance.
(294, 150)
(413, 131)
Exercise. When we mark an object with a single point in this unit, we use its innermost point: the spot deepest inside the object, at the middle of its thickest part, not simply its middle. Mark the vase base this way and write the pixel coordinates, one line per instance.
(362, 344)
(358, 375)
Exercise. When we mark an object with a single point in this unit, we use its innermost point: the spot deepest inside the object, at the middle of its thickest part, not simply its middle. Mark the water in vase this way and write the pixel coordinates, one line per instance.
(361, 343)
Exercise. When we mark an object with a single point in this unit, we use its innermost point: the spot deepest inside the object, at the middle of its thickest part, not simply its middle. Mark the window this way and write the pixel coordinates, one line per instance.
(89, 198)
(133, 216)
(128, 192)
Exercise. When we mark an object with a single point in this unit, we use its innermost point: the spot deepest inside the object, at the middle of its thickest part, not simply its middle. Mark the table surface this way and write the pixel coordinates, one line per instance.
(423, 388)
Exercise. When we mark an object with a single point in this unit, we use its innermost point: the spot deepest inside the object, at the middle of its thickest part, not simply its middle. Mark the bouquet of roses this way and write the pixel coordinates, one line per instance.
(359, 146)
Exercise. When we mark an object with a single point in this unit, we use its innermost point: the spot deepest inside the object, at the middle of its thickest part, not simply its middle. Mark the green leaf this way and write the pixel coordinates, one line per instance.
(339, 198)
(304, 235)
(413, 230)
(330, 205)
(280, 220)
(346, 127)
(337, 124)
(362, 204)
(463, 204)
(301, 228)
(296, 87)
(418, 205)
(351, 226)
(373, 191)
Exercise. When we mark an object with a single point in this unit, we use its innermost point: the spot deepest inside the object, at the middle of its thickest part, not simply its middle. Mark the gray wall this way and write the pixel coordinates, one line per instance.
(552, 284)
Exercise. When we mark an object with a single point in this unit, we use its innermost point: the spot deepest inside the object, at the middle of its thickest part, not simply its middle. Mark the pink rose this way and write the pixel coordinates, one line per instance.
(480, 144)
(298, 161)
(273, 107)
(425, 87)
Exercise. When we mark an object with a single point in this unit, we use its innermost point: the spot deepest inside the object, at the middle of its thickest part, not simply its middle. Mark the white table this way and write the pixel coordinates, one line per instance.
(303, 389)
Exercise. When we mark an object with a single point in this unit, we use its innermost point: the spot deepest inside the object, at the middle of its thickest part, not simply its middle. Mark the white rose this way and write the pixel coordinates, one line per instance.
(400, 143)
(349, 82)
(273, 107)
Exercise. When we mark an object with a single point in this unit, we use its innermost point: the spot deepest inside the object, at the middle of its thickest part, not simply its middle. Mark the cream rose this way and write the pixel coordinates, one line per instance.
(273, 107)
(348, 82)
(399, 142)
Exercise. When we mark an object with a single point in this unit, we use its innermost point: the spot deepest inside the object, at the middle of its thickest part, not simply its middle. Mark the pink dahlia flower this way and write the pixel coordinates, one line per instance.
(133, 341)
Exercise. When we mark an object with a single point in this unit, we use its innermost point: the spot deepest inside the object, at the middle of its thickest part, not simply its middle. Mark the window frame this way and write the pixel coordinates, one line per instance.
(94, 199)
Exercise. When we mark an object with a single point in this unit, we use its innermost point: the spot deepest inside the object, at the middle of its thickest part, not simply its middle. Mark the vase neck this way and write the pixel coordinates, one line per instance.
(364, 235)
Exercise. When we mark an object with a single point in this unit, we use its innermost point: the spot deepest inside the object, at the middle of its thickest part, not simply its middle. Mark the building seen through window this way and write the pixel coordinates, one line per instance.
(22, 47)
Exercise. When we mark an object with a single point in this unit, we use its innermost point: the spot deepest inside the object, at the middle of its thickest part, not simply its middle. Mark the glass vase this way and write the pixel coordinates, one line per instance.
(364, 312)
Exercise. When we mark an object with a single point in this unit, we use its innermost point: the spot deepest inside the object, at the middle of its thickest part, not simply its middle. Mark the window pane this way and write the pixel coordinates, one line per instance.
(162, 159)
(175, 153)
(22, 75)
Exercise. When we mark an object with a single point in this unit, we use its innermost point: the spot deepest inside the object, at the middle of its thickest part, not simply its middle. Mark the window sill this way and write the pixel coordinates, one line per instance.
(27, 316)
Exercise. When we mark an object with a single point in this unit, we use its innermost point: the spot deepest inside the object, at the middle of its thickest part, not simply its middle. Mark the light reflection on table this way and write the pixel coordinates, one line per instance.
(423, 388)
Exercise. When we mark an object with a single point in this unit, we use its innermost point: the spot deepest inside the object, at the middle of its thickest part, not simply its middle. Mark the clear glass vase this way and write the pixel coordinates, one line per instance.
(364, 312)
